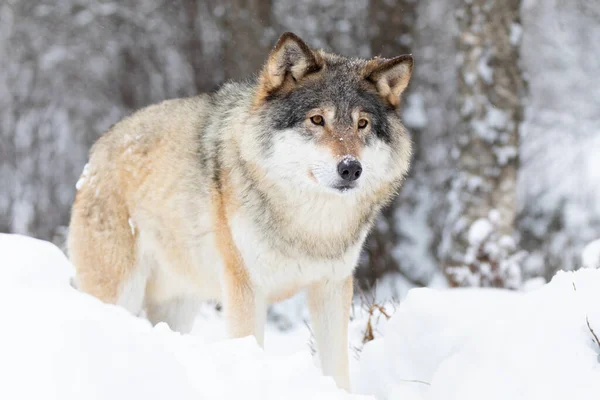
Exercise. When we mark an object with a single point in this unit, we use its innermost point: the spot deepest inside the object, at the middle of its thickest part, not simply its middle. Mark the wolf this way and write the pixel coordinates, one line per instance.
(247, 195)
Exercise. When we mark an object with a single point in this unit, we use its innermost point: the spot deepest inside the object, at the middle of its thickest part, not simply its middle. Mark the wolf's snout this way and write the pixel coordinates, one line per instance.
(349, 170)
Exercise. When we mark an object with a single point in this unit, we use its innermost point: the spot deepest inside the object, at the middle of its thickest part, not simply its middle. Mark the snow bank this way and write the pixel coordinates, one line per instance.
(490, 344)
(57, 343)
(467, 344)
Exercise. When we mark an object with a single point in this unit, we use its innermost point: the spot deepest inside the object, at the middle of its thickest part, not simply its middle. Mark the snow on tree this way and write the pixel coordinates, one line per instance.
(590, 257)
(481, 244)
(559, 176)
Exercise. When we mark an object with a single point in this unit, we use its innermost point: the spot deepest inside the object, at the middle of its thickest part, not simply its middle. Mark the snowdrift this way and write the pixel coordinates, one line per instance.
(57, 343)
(473, 344)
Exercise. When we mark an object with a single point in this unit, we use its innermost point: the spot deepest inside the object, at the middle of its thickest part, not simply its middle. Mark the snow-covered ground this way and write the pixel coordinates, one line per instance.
(57, 343)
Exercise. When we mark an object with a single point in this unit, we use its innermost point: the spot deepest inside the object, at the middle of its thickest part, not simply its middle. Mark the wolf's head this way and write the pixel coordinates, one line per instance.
(331, 124)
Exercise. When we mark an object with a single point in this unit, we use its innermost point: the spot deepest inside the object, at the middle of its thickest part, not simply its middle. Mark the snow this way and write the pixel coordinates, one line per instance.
(479, 231)
(490, 258)
(497, 118)
(83, 177)
(505, 154)
(516, 33)
(58, 343)
(485, 71)
(131, 226)
(490, 344)
(590, 256)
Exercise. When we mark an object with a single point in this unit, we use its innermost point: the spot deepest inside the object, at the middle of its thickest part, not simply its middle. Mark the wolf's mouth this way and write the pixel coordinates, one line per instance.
(343, 187)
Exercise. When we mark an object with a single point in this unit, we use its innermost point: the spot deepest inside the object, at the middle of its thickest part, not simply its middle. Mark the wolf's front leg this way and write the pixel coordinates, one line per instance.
(244, 306)
(329, 305)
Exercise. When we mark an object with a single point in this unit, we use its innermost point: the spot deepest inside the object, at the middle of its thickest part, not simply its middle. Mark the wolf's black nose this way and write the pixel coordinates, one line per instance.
(349, 170)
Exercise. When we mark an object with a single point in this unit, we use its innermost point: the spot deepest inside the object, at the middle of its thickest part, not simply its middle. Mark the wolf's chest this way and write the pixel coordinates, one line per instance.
(275, 271)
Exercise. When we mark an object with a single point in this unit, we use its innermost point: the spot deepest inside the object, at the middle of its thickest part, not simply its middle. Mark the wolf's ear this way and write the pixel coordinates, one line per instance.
(390, 76)
(290, 56)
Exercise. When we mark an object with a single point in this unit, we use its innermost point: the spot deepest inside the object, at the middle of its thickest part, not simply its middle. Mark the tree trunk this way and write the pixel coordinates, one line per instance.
(480, 246)
(390, 35)
(248, 37)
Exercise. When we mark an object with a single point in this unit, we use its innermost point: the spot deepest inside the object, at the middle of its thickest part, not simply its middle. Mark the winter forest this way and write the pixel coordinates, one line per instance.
(503, 108)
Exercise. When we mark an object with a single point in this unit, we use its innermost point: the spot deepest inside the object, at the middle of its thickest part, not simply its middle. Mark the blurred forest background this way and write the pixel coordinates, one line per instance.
(504, 108)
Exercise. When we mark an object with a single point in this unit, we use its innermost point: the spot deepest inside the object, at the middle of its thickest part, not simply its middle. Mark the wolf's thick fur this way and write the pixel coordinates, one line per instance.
(241, 195)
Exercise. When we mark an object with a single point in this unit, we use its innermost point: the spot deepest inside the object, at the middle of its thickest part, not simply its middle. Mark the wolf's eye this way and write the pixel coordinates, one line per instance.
(362, 123)
(317, 120)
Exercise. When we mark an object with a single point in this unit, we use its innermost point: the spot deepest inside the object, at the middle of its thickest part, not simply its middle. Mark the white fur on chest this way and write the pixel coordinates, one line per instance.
(273, 272)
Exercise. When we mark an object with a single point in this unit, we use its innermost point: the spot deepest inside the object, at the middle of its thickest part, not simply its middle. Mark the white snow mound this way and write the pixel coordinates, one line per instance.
(473, 344)
(460, 344)
(57, 343)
